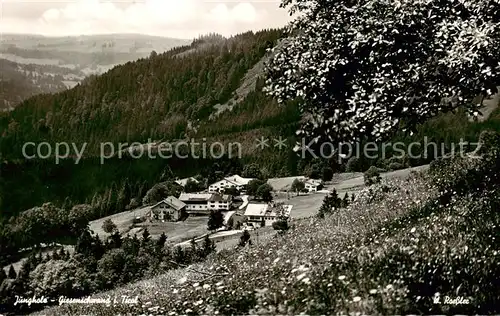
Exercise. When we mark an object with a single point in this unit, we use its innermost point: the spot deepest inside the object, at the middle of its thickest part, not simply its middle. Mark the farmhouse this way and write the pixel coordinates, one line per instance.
(233, 181)
(169, 209)
(203, 203)
(312, 185)
(267, 213)
(220, 202)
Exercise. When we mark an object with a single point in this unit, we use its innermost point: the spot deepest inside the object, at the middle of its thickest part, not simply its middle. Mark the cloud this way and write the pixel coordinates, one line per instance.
(175, 18)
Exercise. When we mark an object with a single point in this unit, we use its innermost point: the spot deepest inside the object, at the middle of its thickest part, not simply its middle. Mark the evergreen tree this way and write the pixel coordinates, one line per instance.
(98, 248)
(346, 200)
(167, 174)
(84, 243)
(244, 238)
(208, 246)
(12, 273)
(146, 237)
(124, 197)
(179, 255)
(215, 220)
(3, 276)
(160, 243)
(327, 173)
(331, 202)
(115, 240)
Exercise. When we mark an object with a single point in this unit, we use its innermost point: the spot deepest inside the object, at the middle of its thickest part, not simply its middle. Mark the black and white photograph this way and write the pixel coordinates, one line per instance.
(258, 157)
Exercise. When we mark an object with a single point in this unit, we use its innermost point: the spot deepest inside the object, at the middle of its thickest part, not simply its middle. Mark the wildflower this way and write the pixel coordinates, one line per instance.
(301, 276)
(342, 277)
(356, 299)
(373, 291)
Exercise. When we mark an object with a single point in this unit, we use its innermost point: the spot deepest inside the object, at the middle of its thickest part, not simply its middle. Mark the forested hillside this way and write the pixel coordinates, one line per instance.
(152, 98)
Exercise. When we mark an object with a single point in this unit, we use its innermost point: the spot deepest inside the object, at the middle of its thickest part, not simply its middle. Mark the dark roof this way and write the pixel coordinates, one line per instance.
(218, 197)
(173, 202)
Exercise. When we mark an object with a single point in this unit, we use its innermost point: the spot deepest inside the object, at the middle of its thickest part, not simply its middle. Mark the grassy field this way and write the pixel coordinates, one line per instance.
(122, 220)
(179, 231)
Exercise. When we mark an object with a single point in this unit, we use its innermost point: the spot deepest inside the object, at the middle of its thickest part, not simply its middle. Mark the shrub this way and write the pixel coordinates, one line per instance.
(489, 141)
(108, 226)
(245, 238)
(372, 176)
(281, 225)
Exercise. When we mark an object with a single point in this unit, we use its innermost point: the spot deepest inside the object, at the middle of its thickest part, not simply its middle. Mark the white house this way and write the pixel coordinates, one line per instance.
(233, 181)
(312, 185)
(256, 213)
(203, 203)
(220, 202)
(169, 209)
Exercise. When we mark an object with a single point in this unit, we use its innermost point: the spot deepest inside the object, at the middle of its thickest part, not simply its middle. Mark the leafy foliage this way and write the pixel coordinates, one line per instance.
(215, 220)
(253, 186)
(264, 192)
(108, 226)
(372, 176)
(371, 67)
(298, 186)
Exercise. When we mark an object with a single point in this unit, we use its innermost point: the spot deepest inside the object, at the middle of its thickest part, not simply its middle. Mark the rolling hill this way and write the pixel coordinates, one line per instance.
(33, 64)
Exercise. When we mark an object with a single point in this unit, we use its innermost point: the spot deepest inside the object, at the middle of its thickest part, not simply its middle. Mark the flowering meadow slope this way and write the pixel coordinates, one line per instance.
(401, 247)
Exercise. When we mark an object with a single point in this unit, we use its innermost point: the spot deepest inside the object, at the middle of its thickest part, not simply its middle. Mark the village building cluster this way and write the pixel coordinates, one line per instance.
(239, 208)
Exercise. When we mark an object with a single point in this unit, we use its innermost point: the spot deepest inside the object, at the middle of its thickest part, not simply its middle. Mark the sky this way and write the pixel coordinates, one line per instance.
(171, 18)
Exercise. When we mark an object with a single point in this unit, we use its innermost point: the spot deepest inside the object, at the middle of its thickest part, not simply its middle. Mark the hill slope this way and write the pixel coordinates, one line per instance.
(399, 248)
(150, 98)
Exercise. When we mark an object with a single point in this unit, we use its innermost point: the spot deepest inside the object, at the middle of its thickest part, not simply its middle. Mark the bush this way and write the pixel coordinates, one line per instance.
(489, 141)
(281, 225)
(372, 176)
(108, 226)
(244, 239)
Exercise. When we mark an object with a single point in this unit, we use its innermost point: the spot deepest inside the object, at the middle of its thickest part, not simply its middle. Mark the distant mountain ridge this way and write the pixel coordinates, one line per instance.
(63, 62)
